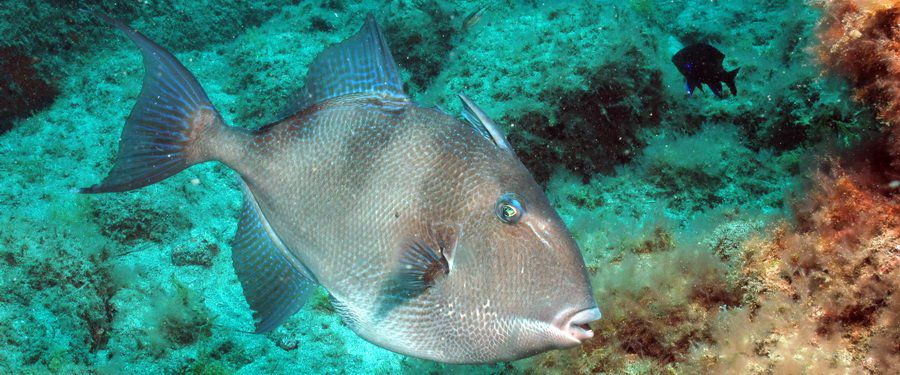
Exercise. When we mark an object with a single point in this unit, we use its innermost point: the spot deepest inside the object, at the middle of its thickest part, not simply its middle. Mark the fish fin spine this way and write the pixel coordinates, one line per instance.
(483, 124)
(167, 129)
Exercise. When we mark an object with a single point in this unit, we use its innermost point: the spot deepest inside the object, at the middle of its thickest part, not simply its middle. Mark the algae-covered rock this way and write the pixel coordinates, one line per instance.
(671, 198)
(22, 90)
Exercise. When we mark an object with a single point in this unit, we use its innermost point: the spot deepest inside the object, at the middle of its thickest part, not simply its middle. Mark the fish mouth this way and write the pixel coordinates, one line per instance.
(573, 324)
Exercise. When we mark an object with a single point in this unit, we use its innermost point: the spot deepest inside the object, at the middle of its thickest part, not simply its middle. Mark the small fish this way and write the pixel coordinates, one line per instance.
(473, 18)
(700, 64)
(430, 236)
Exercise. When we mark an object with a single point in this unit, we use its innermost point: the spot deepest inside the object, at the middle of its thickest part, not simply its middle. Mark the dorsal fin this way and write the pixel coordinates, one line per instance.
(360, 64)
(483, 124)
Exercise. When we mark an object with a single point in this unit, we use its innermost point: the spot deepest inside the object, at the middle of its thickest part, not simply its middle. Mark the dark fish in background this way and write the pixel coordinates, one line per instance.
(473, 18)
(428, 233)
(701, 63)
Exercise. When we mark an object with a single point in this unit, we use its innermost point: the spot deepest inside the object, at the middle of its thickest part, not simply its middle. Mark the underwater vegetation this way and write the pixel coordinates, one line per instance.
(811, 293)
(860, 41)
(22, 91)
(752, 234)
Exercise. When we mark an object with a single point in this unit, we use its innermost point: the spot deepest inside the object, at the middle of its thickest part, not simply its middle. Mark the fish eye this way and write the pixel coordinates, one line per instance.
(510, 208)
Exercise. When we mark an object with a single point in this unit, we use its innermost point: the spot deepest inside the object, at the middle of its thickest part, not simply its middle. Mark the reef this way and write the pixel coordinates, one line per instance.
(827, 283)
(22, 90)
(860, 40)
(753, 234)
(593, 129)
(811, 293)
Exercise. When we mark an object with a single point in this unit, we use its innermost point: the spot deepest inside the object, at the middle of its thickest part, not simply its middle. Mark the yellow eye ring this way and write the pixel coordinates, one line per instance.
(509, 208)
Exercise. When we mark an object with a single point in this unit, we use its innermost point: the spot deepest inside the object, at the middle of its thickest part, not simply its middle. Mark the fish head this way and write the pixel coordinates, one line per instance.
(489, 272)
(517, 283)
(527, 264)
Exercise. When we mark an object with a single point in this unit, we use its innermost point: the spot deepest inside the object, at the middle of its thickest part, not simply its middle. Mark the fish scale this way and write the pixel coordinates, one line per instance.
(428, 233)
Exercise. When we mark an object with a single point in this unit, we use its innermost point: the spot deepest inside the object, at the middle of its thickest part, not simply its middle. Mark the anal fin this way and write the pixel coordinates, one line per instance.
(276, 284)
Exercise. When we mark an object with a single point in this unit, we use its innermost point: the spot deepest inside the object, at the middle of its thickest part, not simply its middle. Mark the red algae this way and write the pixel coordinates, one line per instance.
(861, 40)
(832, 279)
(815, 294)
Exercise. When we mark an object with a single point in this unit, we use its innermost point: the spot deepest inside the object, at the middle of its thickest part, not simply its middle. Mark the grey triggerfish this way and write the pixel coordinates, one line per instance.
(428, 233)
(700, 64)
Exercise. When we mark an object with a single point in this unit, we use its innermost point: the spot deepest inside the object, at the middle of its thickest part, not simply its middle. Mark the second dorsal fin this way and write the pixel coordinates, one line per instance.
(360, 64)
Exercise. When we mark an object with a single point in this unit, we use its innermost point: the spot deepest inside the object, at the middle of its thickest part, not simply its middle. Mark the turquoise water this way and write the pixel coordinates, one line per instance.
(696, 216)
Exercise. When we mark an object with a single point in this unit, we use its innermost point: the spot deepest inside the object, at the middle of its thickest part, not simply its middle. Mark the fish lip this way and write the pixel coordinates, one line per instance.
(570, 323)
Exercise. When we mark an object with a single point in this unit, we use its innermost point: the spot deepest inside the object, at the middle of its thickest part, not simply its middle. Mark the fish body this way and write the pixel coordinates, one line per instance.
(700, 64)
(428, 233)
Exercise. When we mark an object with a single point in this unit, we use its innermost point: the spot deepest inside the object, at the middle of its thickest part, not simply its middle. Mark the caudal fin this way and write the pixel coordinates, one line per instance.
(161, 134)
(729, 80)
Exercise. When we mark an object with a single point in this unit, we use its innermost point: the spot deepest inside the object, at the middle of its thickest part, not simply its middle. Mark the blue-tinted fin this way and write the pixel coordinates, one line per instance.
(275, 283)
(172, 107)
(483, 124)
(422, 264)
(360, 64)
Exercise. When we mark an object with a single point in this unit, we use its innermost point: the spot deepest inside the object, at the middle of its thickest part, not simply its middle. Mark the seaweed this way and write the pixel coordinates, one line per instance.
(201, 254)
(128, 222)
(820, 291)
(181, 317)
(595, 128)
(860, 40)
(22, 90)
(422, 53)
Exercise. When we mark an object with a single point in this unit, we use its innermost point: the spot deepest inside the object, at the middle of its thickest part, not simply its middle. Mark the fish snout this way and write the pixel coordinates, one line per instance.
(573, 324)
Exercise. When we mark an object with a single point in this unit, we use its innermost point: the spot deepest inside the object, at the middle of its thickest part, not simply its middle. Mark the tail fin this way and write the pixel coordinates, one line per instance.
(161, 133)
(729, 80)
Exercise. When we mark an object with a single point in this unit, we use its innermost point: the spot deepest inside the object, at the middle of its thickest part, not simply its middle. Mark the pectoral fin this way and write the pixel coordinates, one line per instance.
(422, 263)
